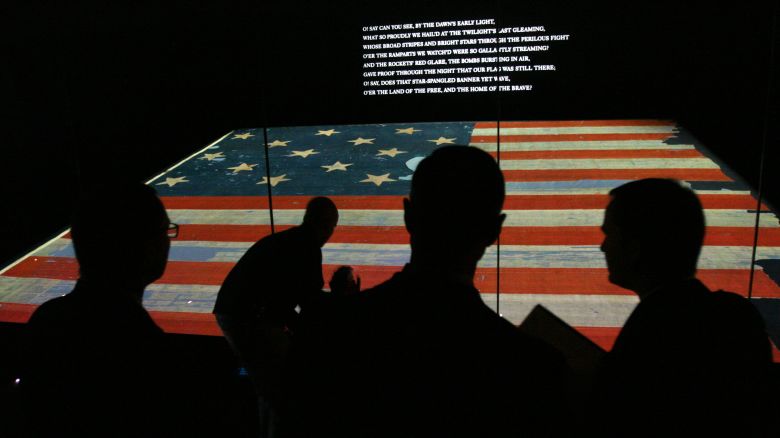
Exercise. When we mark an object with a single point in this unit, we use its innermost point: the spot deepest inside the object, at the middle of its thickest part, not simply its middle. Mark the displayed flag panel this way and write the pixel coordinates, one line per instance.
(558, 176)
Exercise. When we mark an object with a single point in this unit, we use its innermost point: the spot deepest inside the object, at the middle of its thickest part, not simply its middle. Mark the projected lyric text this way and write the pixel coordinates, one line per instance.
(459, 56)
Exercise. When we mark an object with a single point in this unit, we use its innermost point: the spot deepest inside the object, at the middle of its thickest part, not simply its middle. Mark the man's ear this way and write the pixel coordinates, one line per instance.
(495, 229)
(410, 218)
(632, 251)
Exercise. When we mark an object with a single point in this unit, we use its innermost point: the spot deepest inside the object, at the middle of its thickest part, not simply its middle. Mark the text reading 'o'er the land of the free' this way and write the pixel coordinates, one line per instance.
(459, 56)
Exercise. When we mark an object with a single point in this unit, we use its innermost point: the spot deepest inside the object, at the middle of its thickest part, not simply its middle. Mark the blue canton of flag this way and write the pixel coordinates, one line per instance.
(314, 160)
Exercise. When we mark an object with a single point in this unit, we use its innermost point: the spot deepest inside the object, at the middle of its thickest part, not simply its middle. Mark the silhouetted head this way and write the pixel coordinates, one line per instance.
(654, 228)
(454, 207)
(321, 218)
(120, 235)
(343, 282)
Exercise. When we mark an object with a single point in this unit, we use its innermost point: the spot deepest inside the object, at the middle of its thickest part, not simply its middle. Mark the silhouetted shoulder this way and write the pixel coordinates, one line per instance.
(729, 302)
(741, 333)
(459, 309)
(706, 348)
(83, 354)
(78, 310)
(271, 273)
(57, 308)
(55, 318)
(432, 355)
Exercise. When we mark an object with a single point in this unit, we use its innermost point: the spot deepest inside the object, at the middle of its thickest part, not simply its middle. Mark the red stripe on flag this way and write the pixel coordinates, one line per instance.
(170, 322)
(187, 323)
(719, 236)
(280, 202)
(176, 272)
(512, 202)
(15, 312)
(526, 138)
(588, 281)
(619, 174)
(574, 123)
(253, 233)
(594, 281)
(617, 153)
(604, 337)
(58, 268)
(216, 202)
(600, 201)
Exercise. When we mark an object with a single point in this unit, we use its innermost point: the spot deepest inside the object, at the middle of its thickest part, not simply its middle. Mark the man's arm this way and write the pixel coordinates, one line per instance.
(241, 291)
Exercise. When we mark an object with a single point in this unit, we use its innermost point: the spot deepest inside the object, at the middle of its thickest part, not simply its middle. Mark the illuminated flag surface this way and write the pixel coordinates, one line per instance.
(558, 175)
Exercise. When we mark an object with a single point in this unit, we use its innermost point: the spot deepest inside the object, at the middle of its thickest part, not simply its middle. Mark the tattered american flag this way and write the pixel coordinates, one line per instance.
(558, 175)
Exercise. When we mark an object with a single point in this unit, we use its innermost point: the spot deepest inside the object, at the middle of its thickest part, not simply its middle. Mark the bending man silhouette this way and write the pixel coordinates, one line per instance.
(421, 354)
(256, 305)
(688, 362)
(96, 363)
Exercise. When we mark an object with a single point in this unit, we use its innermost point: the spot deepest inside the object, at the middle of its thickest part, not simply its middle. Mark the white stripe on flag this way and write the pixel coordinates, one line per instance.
(515, 218)
(31, 290)
(576, 310)
(512, 256)
(651, 129)
(490, 145)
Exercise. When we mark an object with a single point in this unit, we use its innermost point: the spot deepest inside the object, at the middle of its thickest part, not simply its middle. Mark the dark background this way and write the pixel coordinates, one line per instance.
(99, 93)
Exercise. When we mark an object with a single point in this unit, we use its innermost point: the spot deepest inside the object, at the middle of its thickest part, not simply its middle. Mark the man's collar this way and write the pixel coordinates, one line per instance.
(443, 275)
(670, 285)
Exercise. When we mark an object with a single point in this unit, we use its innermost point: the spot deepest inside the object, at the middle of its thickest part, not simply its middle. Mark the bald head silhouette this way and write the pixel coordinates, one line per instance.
(321, 218)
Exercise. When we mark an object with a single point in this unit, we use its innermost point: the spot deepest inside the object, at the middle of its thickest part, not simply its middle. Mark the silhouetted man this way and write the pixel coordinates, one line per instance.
(421, 354)
(96, 364)
(256, 306)
(688, 362)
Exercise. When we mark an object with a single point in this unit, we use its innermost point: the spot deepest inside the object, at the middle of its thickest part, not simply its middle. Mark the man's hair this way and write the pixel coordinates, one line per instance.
(109, 226)
(457, 187)
(665, 217)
